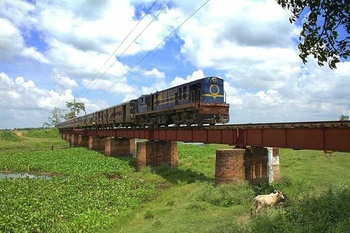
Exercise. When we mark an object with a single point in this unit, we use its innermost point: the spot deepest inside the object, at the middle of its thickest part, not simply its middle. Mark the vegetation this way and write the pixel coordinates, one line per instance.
(75, 109)
(87, 192)
(57, 114)
(7, 135)
(55, 118)
(344, 118)
(325, 31)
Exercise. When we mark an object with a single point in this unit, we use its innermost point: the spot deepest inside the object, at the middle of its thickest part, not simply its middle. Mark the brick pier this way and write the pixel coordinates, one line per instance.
(154, 153)
(119, 147)
(256, 165)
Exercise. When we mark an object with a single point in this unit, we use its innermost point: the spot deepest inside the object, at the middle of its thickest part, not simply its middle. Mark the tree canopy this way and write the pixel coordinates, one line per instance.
(57, 114)
(344, 118)
(55, 118)
(75, 109)
(325, 30)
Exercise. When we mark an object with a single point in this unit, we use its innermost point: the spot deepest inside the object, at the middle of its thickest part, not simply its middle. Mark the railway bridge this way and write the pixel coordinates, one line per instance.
(254, 153)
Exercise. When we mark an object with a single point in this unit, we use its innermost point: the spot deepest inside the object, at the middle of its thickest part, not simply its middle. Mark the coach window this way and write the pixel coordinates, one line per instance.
(184, 92)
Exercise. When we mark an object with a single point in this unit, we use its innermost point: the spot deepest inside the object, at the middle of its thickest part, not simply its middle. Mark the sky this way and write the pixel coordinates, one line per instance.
(105, 52)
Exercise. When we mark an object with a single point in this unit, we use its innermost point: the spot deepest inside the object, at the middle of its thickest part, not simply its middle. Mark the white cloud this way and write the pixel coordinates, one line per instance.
(18, 11)
(64, 82)
(154, 73)
(34, 54)
(54, 49)
(12, 44)
(11, 40)
(252, 38)
(194, 76)
(22, 100)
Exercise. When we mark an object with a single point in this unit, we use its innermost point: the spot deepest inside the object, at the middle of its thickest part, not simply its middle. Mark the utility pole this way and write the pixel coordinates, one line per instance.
(74, 116)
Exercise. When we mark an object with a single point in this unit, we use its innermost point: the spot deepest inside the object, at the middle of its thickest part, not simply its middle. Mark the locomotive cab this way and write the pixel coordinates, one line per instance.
(209, 96)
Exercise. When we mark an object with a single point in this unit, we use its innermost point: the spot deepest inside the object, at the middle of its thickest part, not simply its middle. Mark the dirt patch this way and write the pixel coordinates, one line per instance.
(18, 133)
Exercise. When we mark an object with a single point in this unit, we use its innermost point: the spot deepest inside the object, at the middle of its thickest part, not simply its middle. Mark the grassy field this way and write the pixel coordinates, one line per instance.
(88, 192)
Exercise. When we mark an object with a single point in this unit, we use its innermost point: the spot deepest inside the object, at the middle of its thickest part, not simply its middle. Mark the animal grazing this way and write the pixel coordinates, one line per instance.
(271, 199)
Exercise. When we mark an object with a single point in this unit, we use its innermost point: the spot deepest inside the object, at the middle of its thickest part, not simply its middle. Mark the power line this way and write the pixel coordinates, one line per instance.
(176, 29)
(133, 43)
(120, 44)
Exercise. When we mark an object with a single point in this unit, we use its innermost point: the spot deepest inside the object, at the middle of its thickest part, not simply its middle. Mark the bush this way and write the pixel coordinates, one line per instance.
(42, 133)
(328, 212)
(227, 194)
(7, 135)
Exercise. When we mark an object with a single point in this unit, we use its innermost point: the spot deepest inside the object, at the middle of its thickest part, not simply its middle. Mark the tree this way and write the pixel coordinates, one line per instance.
(75, 109)
(55, 118)
(325, 31)
(344, 118)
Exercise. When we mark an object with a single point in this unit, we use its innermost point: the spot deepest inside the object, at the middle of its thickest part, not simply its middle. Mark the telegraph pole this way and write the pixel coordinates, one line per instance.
(74, 109)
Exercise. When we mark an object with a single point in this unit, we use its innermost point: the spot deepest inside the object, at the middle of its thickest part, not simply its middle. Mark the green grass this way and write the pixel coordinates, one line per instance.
(9, 136)
(93, 193)
(87, 192)
(35, 139)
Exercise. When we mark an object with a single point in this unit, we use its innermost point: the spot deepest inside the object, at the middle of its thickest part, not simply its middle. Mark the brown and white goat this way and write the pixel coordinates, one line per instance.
(271, 199)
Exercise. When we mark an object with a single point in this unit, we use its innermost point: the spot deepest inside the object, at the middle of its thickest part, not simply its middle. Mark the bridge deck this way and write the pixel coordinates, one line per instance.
(328, 136)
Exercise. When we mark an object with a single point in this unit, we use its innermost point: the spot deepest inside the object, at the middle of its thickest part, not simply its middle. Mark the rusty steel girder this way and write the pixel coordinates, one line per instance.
(327, 136)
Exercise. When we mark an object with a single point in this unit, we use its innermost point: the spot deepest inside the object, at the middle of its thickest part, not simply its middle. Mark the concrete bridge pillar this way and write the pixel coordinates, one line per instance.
(96, 143)
(154, 153)
(256, 165)
(73, 140)
(119, 147)
(273, 164)
(83, 141)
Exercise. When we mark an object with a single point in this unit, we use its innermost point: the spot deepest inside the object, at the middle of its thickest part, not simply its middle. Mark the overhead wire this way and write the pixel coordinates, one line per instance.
(144, 57)
(114, 52)
(131, 43)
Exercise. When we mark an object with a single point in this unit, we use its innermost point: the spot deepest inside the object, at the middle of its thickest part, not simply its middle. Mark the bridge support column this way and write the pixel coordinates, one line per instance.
(96, 143)
(66, 136)
(73, 140)
(229, 166)
(119, 147)
(154, 153)
(256, 170)
(256, 165)
(83, 141)
(273, 164)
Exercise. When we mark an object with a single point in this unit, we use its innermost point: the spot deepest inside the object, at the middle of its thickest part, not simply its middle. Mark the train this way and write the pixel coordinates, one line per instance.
(199, 102)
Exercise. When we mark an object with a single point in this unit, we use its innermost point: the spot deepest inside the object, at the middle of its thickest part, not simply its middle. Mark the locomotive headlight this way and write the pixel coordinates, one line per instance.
(214, 80)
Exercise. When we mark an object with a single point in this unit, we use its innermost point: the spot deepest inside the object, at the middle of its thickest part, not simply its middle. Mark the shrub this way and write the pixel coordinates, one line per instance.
(328, 212)
(42, 133)
(7, 135)
(226, 195)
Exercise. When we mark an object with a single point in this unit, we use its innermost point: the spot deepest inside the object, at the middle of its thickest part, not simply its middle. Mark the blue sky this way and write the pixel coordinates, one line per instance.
(54, 51)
